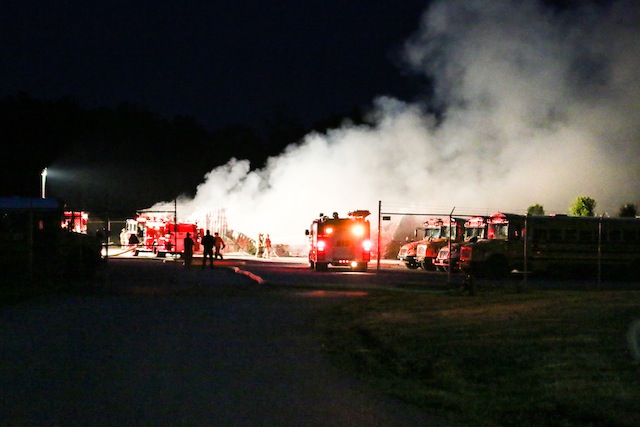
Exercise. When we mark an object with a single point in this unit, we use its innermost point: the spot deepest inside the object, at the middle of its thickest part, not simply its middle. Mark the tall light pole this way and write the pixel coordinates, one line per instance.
(43, 174)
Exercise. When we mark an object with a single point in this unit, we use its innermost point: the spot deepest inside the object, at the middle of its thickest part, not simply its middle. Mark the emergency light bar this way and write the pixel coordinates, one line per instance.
(474, 222)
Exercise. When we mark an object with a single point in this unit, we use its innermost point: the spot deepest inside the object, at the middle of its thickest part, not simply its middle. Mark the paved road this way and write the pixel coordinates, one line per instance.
(159, 346)
(392, 275)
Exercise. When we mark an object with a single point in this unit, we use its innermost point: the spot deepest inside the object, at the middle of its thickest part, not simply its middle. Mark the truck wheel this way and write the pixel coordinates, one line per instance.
(312, 265)
(428, 265)
(321, 266)
(362, 266)
(412, 265)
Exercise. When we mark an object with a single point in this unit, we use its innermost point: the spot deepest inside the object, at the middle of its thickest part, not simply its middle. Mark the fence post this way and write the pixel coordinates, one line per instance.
(379, 231)
(450, 264)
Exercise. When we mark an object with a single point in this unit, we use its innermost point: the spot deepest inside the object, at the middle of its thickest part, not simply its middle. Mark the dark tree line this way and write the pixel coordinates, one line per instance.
(127, 157)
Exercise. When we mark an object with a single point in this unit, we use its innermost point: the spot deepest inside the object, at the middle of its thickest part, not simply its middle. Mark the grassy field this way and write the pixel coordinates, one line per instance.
(500, 358)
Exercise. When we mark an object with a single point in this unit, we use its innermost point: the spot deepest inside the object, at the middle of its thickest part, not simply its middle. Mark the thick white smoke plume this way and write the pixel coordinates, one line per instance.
(541, 106)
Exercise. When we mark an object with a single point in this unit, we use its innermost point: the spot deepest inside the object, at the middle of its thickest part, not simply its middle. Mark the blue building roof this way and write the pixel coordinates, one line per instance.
(29, 203)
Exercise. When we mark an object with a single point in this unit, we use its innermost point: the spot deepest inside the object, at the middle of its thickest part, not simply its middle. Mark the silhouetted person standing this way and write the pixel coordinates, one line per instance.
(133, 240)
(260, 249)
(219, 244)
(208, 241)
(188, 251)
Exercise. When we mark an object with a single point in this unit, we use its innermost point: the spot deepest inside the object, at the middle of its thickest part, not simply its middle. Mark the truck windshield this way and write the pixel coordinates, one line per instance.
(447, 229)
(432, 233)
(499, 231)
(470, 233)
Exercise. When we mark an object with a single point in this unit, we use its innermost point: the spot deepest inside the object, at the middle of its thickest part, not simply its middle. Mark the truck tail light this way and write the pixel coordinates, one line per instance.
(321, 245)
(366, 245)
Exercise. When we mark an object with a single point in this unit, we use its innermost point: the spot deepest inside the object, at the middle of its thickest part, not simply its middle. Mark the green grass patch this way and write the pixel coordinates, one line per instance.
(498, 359)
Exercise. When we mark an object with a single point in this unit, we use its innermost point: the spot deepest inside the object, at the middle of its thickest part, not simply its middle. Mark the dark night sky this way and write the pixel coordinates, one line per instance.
(507, 77)
(220, 62)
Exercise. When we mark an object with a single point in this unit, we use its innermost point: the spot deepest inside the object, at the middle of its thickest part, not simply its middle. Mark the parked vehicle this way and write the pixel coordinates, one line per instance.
(340, 241)
(162, 235)
(407, 252)
(554, 244)
(440, 230)
(475, 228)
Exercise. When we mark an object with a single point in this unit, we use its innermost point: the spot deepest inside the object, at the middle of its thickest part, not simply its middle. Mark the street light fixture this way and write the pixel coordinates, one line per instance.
(43, 174)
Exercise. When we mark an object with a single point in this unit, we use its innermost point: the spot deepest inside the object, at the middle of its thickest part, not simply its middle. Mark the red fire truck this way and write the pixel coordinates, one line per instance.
(75, 221)
(161, 235)
(340, 241)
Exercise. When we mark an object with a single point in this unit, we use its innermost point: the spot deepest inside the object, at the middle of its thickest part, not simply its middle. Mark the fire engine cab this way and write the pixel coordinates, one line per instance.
(340, 241)
(162, 235)
(75, 221)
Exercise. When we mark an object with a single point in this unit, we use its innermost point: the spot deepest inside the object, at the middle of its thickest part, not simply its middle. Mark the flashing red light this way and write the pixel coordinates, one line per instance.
(367, 245)
(321, 245)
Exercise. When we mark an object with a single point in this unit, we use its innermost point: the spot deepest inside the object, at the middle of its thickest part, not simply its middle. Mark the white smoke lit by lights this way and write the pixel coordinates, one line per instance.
(542, 106)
